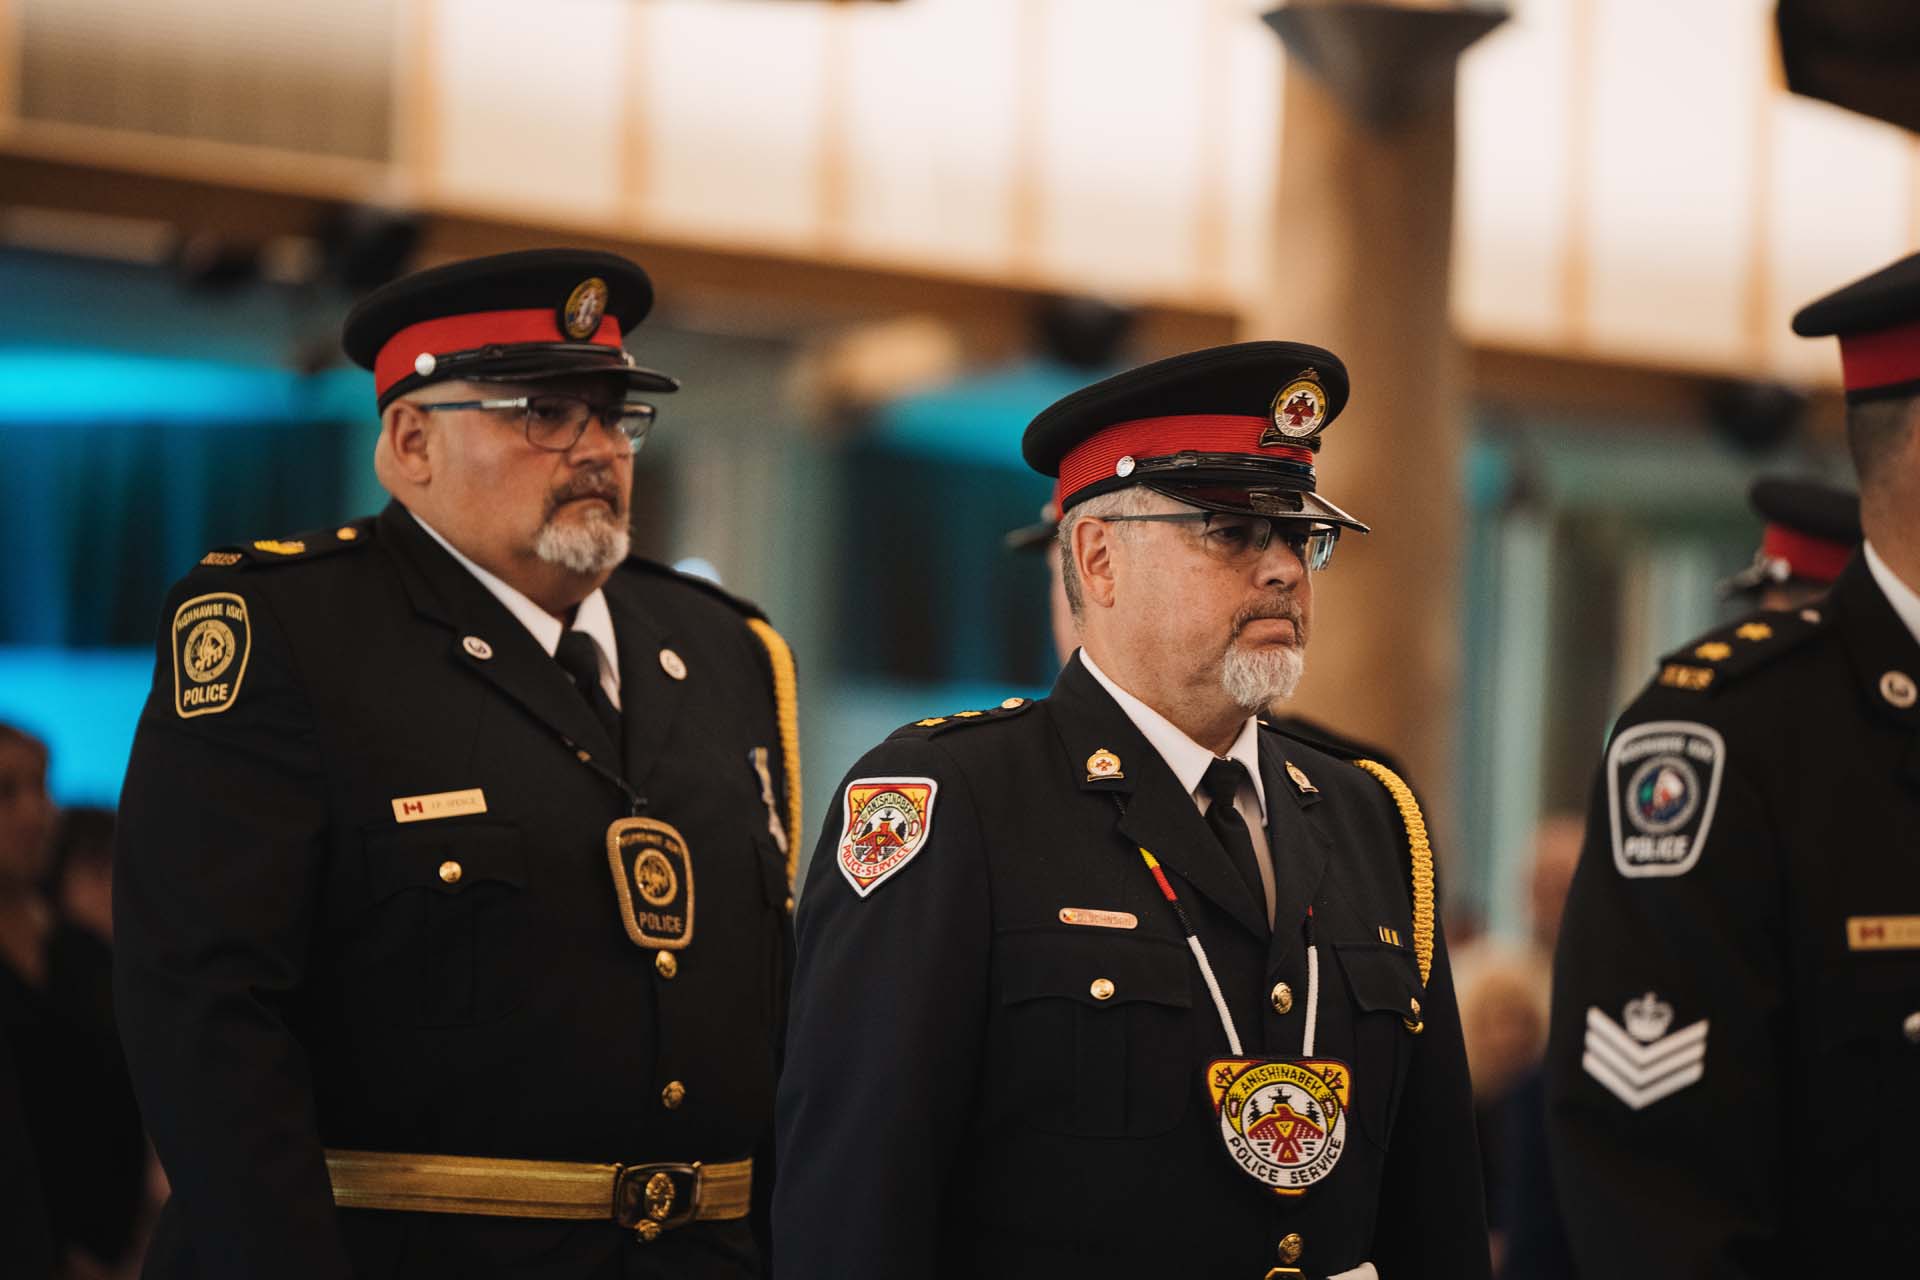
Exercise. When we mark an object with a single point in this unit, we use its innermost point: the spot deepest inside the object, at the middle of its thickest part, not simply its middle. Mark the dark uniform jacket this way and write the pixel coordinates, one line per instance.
(1734, 1065)
(296, 972)
(959, 1100)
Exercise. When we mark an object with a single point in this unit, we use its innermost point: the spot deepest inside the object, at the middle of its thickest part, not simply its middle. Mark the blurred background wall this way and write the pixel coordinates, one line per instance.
(859, 216)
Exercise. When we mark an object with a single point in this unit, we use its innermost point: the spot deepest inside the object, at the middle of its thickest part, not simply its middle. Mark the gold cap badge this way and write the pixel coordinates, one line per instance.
(580, 318)
(1299, 410)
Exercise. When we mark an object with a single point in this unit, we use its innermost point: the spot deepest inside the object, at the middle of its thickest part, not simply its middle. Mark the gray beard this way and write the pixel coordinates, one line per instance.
(1255, 678)
(592, 547)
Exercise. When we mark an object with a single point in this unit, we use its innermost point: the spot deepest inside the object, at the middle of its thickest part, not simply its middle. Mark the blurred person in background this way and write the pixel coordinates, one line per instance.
(1120, 982)
(107, 1144)
(411, 967)
(1812, 530)
(1736, 1027)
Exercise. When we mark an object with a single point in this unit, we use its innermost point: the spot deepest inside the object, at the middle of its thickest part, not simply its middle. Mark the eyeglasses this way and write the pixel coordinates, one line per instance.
(555, 421)
(1241, 540)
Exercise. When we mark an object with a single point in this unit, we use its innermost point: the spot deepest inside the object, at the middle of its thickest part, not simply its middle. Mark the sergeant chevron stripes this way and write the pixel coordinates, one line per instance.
(1642, 1074)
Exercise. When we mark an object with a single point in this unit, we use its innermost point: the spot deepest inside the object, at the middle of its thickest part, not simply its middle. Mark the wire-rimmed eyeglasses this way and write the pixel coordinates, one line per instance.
(1241, 539)
(555, 421)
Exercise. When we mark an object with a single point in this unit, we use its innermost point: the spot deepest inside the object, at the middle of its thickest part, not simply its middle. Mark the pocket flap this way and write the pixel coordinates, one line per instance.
(1383, 978)
(1072, 966)
(447, 858)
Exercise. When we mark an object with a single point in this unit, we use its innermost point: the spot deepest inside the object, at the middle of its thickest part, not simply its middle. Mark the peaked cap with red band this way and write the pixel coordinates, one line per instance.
(1232, 429)
(1877, 319)
(1812, 530)
(512, 317)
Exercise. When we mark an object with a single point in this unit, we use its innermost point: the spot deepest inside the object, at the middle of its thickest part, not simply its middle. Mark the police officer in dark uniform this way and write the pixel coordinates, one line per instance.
(1121, 982)
(1812, 530)
(452, 897)
(1736, 1028)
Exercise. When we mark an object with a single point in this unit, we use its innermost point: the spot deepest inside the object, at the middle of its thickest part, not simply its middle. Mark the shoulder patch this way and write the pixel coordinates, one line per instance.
(884, 823)
(211, 638)
(933, 725)
(305, 546)
(1663, 782)
(1713, 661)
(746, 608)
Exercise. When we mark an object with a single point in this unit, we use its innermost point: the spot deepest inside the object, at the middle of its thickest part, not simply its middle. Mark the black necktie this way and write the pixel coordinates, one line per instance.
(1221, 783)
(579, 657)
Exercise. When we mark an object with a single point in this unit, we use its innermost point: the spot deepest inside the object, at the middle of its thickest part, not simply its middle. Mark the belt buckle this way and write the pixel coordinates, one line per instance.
(651, 1198)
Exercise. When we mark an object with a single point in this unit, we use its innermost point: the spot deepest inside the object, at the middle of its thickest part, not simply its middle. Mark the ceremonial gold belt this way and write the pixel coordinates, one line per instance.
(648, 1198)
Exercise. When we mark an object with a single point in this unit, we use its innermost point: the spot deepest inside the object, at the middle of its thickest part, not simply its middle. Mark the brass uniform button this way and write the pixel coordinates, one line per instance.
(1101, 989)
(673, 1095)
(1911, 1028)
(665, 963)
(1282, 998)
(450, 871)
(1291, 1246)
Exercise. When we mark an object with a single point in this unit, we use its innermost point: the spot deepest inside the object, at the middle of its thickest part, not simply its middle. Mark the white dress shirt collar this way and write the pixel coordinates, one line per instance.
(1187, 758)
(592, 616)
(1904, 599)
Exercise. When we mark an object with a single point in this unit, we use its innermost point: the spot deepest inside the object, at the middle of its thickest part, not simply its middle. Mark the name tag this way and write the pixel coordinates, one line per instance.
(1883, 933)
(1099, 919)
(443, 804)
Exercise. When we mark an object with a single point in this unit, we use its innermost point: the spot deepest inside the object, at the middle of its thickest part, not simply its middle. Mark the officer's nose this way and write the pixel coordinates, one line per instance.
(1279, 566)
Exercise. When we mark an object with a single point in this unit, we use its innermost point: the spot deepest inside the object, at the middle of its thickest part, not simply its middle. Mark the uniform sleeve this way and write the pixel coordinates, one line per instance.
(883, 1049)
(220, 844)
(1665, 1059)
(1433, 1213)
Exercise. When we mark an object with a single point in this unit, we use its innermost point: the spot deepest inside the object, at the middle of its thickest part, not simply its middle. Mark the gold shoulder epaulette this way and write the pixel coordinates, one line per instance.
(1713, 661)
(953, 720)
(1422, 854)
(284, 550)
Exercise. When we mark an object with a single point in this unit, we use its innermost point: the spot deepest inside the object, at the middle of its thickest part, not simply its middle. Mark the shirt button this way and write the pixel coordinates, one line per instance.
(665, 964)
(1101, 989)
(673, 1095)
(1291, 1246)
(450, 871)
(1282, 998)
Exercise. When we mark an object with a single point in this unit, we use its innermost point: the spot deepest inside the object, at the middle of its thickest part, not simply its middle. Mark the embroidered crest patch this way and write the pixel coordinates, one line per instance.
(1282, 1120)
(886, 822)
(1663, 781)
(653, 879)
(210, 643)
(1641, 1062)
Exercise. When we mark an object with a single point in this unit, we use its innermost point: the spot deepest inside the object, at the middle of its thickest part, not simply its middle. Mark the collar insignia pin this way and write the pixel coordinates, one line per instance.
(1897, 687)
(1300, 779)
(1103, 766)
(672, 664)
(476, 647)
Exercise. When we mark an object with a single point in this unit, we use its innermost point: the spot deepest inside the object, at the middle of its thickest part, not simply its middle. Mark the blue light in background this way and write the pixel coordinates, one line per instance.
(84, 705)
(47, 385)
(979, 419)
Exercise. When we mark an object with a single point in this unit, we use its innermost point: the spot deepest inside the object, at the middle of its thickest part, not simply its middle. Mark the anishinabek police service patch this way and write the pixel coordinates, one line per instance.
(1283, 1121)
(1663, 782)
(210, 642)
(886, 822)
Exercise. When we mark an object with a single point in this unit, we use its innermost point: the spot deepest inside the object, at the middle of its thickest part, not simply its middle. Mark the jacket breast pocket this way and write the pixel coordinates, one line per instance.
(1385, 984)
(444, 942)
(1096, 1037)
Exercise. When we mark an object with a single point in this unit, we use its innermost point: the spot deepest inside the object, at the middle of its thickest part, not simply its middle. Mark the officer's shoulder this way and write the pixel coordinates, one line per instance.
(653, 577)
(1714, 668)
(281, 552)
(938, 725)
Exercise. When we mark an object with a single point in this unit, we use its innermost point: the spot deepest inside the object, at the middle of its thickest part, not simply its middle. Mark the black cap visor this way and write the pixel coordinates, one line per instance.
(534, 362)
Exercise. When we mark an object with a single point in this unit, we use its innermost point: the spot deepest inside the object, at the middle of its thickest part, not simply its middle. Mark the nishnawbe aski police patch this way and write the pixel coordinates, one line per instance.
(886, 822)
(210, 642)
(1663, 782)
(1283, 1121)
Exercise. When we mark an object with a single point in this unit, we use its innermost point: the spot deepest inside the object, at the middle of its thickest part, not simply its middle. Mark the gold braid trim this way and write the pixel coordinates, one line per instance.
(1422, 861)
(786, 702)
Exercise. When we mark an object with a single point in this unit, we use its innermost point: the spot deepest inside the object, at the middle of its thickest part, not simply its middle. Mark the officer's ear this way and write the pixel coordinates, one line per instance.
(404, 450)
(1093, 560)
